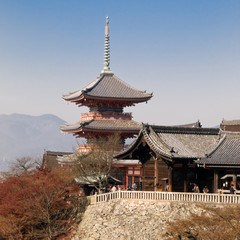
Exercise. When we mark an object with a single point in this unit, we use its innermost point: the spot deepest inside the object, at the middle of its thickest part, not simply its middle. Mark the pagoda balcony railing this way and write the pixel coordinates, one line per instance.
(105, 115)
(83, 148)
(167, 196)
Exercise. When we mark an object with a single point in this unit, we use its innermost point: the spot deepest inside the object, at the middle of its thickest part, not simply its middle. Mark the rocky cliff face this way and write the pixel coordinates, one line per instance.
(132, 219)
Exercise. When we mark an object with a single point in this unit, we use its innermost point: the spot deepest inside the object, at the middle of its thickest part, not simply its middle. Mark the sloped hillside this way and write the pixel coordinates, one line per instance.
(25, 135)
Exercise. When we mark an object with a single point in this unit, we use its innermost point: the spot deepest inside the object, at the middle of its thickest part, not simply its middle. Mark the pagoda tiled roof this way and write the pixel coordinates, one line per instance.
(226, 153)
(110, 125)
(108, 86)
(176, 142)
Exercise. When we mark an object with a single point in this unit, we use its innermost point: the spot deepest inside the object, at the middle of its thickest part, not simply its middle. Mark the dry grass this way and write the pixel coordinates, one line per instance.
(213, 223)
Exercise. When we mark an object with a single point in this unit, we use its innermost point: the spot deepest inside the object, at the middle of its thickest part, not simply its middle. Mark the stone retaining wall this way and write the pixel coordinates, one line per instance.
(131, 219)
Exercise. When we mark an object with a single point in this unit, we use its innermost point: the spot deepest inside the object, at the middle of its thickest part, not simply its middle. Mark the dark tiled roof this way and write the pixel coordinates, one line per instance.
(68, 158)
(191, 125)
(50, 158)
(108, 86)
(117, 125)
(54, 153)
(182, 129)
(176, 142)
(182, 142)
(227, 152)
(230, 122)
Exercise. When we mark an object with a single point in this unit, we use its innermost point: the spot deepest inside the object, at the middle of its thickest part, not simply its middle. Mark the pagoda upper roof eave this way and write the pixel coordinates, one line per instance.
(108, 86)
(84, 97)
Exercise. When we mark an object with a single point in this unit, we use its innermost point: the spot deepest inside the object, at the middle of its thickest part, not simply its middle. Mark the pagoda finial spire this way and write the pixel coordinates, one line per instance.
(106, 68)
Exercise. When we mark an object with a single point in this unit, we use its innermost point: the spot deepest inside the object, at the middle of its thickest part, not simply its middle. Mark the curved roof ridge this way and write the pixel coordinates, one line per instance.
(196, 124)
(218, 145)
(130, 146)
(151, 142)
(127, 85)
(160, 139)
(188, 130)
(92, 84)
(79, 92)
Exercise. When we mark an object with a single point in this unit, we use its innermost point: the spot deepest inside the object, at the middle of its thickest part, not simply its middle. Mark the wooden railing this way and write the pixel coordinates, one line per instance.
(167, 196)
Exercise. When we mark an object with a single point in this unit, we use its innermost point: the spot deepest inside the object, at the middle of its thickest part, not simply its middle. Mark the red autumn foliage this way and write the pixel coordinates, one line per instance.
(37, 207)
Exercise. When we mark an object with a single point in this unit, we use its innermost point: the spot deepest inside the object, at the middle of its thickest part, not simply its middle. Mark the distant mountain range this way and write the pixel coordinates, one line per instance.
(25, 135)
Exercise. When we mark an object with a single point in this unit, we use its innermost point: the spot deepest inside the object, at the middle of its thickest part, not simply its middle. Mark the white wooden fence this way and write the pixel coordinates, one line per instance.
(167, 196)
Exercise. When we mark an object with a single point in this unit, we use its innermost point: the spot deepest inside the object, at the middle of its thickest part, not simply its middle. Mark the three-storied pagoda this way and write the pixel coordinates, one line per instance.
(106, 97)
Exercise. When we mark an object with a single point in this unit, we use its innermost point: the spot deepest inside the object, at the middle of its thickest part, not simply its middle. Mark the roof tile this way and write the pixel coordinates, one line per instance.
(120, 125)
(108, 86)
(227, 152)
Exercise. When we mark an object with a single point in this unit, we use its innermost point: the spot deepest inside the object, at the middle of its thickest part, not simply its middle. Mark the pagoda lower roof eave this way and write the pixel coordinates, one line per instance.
(127, 126)
(81, 130)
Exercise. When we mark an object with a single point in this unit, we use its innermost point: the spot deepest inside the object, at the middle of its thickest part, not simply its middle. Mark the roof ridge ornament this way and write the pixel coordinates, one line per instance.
(106, 68)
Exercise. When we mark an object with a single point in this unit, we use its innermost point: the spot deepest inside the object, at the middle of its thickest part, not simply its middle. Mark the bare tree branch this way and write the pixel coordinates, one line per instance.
(24, 165)
(95, 167)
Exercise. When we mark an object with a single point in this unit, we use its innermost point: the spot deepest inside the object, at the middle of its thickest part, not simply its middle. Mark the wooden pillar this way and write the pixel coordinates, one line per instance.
(143, 177)
(235, 179)
(156, 181)
(185, 178)
(215, 181)
(170, 179)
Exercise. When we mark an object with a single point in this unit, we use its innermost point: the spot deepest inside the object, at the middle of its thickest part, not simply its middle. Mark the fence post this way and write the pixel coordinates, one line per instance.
(95, 197)
(119, 193)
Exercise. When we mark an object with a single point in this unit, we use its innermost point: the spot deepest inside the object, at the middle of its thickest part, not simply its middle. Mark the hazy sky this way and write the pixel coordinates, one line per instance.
(186, 52)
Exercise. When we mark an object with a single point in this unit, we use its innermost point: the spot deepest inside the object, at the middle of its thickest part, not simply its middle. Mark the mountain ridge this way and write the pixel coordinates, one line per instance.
(27, 135)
